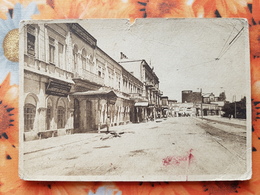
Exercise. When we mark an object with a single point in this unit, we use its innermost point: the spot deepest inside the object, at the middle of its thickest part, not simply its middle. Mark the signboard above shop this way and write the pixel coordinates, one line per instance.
(57, 88)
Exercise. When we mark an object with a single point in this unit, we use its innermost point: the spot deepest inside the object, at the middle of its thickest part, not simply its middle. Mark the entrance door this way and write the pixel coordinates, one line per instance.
(205, 112)
(76, 114)
(89, 116)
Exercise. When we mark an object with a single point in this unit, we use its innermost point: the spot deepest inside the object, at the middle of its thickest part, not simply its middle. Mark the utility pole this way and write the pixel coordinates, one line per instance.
(201, 103)
(235, 115)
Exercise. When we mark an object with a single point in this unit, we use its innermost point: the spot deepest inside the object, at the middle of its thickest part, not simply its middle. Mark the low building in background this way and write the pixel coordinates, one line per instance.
(208, 102)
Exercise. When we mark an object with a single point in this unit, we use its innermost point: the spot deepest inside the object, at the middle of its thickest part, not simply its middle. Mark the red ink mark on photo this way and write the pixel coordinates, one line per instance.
(176, 160)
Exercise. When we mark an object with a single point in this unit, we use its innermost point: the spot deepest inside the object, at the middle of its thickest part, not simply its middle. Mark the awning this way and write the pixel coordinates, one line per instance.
(120, 95)
(141, 104)
(95, 93)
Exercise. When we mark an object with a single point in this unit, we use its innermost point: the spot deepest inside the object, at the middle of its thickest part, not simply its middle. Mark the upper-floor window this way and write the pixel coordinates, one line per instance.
(61, 55)
(75, 57)
(31, 40)
(83, 58)
(30, 44)
(103, 72)
(51, 50)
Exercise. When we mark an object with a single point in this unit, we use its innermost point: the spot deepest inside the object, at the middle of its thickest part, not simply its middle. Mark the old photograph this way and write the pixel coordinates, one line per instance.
(154, 100)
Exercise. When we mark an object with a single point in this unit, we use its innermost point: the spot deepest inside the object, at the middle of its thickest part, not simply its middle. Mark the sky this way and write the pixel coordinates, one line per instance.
(187, 54)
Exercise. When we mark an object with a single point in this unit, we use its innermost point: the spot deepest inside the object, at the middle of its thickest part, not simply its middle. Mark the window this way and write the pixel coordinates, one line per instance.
(103, 73)
(61, 117)
(61, 55)
(75, 57)
(84, 61)
(49, 114)
(51, 50)
(90, 63)
(31, 40)
(29, 116)
(48, 118)
(30, 44)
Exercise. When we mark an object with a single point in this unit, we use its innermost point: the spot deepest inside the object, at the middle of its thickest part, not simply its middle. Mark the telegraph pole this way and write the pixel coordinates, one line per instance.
(235, 115)
(201, 103)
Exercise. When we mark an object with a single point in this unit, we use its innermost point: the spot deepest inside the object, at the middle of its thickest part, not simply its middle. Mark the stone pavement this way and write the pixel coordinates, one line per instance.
(224, 119)
(52, 142)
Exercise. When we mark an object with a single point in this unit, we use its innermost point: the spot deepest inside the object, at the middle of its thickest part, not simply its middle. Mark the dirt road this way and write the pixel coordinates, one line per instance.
(172, 148)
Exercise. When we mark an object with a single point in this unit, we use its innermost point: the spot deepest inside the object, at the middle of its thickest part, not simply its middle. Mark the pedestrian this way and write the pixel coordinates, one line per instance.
(108, 123)
(229, 116)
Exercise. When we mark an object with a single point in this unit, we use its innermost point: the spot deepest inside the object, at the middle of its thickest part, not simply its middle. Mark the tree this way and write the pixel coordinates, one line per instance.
(222, 96)
(228, 109)
(239, 107)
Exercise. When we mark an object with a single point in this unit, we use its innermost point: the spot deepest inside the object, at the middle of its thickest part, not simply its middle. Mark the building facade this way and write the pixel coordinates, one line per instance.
(71, 85)
(148, 103)
(207, 102)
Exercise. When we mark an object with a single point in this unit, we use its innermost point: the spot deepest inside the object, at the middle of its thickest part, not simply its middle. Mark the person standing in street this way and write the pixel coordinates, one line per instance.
(108, 123)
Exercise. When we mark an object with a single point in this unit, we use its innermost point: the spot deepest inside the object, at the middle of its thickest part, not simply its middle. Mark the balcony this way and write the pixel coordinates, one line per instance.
(149, 84)
(152, 102)
(136, 96)
(89, 76)
(154, 89)
(48, 70)
(160, 92)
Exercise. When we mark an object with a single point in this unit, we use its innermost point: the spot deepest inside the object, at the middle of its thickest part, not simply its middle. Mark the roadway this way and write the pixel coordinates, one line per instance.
(183, 146)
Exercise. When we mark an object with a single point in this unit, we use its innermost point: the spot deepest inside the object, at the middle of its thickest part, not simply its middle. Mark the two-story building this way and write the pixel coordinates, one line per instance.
(70, 84)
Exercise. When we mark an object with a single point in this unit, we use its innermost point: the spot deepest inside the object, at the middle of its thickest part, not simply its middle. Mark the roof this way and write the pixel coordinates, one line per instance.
(207, 94)
(93, 93)
(141, 104)
(220, 103)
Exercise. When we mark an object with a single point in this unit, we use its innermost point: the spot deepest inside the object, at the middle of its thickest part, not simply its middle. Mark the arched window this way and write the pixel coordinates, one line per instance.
(49, 114)
(61, 115)
(75, 57)
(29, 113)
(84, 61)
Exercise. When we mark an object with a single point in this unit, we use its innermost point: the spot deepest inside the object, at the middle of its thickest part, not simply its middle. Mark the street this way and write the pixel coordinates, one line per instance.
(181, 146)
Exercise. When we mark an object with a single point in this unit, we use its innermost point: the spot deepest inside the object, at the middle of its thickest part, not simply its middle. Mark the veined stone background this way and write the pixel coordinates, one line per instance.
(13, 11)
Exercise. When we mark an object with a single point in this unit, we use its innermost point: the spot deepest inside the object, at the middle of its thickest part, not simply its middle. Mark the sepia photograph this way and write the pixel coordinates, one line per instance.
(153, 100)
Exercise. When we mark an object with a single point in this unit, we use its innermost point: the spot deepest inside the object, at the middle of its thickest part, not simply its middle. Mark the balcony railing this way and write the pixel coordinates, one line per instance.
(50, 70)
(149, 84)
(152, 102)
(135, 95)
(89, 76)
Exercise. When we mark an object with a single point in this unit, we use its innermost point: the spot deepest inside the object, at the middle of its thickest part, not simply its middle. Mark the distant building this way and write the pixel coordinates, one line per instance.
(209, 103)
(178, 109)
(172, 107)
(165, 106)
(209, 97)
(148, 105)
